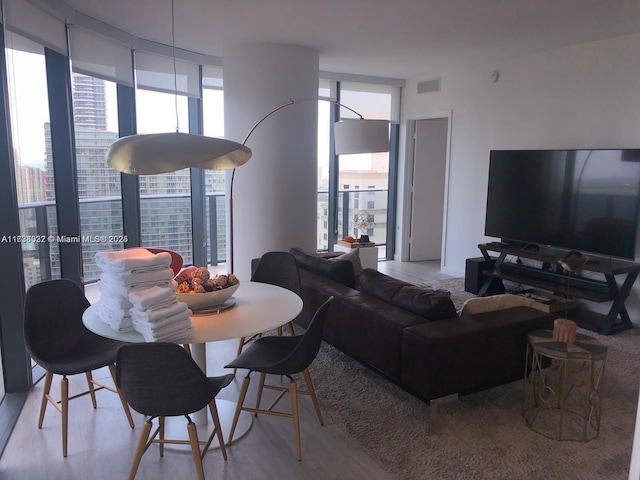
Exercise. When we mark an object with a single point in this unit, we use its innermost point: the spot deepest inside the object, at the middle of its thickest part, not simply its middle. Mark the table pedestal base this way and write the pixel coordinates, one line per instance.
(176, 427)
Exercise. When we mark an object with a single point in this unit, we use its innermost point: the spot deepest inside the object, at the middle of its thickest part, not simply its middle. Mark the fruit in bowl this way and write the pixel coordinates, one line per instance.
(199, 290)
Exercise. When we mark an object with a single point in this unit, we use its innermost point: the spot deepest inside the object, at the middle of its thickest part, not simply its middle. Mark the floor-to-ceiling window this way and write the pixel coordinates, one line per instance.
(215, 180)
(95, 125)
(363, 179)
(162, 89)
(31, 137)
(362, 190)
(327, 93)
(164, 198)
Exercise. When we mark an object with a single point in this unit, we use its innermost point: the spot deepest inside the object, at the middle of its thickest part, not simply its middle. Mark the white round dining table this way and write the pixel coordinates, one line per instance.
(258, 307)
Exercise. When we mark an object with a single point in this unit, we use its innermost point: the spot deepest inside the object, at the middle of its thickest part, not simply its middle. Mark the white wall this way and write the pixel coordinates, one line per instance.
(585, 96)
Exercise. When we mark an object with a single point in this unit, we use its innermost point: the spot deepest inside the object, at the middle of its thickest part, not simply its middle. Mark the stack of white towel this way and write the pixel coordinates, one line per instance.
(158, 315)
(138, 270)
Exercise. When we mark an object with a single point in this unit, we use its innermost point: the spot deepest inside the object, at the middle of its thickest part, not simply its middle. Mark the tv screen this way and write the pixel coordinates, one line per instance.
(585, 200)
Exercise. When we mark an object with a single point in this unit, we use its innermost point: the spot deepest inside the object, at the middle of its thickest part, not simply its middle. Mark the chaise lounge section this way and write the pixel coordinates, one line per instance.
(412, 335)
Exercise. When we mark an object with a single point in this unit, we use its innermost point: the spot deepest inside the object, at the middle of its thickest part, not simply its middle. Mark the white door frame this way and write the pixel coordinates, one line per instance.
(408, 180)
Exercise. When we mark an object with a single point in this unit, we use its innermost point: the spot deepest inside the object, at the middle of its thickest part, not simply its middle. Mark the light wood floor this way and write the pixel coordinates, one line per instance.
(101, 444)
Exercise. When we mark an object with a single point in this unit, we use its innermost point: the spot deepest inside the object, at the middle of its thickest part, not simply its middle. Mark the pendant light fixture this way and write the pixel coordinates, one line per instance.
(156, 153)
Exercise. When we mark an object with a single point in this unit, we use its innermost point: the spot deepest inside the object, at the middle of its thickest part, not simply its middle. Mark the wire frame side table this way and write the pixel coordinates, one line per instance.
(562, 401)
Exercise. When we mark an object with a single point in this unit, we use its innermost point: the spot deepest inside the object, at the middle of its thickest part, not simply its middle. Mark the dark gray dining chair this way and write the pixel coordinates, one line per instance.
(57, 340)
(162, 380)
(280, 269)
(282, 355)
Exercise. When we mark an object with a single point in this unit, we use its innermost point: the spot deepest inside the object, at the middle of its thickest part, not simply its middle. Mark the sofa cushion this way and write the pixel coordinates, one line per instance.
(315, 291)
(421, 301)
(341, 272)
(379, 285)
(370, 331)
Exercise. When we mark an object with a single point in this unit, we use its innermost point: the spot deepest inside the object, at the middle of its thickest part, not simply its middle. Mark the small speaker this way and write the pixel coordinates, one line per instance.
(475, 277)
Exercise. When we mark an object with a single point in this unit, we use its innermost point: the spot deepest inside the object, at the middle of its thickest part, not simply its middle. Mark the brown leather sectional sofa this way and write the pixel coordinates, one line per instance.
(412, 335)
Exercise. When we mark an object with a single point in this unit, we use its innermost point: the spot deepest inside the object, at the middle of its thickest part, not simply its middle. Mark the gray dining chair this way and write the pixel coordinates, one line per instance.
(286, 356)
(162, 380)
(57, 340)
(279, 269)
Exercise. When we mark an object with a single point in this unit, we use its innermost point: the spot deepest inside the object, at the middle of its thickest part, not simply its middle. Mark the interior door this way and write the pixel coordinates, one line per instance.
(428, 188)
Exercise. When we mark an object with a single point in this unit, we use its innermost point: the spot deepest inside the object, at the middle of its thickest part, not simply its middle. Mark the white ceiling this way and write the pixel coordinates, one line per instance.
(388, 38)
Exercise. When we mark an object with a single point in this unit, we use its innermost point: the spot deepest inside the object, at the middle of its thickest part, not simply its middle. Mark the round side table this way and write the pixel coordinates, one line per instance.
(562, 401)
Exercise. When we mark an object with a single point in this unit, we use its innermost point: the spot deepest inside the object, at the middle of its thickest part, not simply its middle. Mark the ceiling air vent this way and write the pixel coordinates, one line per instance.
(429, 86)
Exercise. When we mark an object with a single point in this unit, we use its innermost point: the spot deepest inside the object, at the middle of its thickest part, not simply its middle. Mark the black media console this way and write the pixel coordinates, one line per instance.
(602, 287)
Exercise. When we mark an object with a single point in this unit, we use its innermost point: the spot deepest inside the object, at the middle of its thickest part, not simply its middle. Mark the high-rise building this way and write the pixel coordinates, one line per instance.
(89, 103)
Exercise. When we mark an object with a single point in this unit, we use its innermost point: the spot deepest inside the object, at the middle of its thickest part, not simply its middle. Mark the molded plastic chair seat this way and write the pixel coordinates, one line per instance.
(282, 355)
(57, 340)
(162, 380)
(269, 354)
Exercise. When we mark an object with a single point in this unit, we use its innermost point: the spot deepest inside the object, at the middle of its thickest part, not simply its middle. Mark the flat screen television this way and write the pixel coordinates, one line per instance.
(584, 200)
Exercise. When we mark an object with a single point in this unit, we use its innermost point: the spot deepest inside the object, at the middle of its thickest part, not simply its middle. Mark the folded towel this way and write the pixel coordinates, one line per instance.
(160, 315)
(177, 336)
(152, 296)
(127, 278)
(177, 327)
(116, 287)
(131, 259)
(118, 319)
(114, 301)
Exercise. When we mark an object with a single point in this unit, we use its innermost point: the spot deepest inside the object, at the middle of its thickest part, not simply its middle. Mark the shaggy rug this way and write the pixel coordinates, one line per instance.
(483, 435)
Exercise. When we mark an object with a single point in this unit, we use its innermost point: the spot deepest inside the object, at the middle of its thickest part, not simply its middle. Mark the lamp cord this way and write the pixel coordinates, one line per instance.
(175, 71)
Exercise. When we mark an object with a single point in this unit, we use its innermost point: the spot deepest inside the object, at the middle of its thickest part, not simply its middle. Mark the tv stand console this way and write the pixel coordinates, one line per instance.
(551, 277)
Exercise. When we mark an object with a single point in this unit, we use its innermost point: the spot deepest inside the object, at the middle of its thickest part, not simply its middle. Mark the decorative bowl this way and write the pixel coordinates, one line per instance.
(199, 301)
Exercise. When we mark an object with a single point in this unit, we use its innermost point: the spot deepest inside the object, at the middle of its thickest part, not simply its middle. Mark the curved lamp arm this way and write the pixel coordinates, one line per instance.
(380, 131)
(291, 102)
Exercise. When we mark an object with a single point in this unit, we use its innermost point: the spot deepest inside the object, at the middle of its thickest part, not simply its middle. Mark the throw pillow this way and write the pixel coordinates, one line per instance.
(353, 256)
(379, 285)
(494, 302)
(425, 302)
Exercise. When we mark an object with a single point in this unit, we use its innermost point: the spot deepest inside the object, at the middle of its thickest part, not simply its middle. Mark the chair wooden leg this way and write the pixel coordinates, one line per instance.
(64, 405)
(293, 390)
(45, 394)
(125, 405)
(291, 330)
(263, 377)
(312, 394)
(239, 351)
(236, 416)
(213, 409)
(195, 449)
(92, 389)
(141, 448)
(161, 430)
